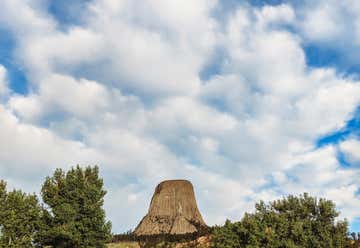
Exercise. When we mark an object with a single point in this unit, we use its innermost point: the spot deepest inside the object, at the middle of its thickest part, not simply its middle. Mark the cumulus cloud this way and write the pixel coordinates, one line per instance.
(122, 89)
(157, 41)
(28, 150)
(134, 47)
(323, 22)
(62, 94)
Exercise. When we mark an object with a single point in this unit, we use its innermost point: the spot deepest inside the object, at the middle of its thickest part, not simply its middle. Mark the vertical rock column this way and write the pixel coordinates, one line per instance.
(173, 210)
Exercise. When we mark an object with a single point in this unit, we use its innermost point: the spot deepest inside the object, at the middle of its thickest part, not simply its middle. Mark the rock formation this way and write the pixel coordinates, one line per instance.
(173, 210)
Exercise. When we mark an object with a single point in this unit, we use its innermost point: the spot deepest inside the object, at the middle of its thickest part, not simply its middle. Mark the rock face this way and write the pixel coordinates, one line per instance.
(173, 210)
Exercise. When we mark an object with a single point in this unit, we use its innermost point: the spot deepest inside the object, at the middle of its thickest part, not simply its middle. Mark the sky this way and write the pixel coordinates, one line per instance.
(249, 99)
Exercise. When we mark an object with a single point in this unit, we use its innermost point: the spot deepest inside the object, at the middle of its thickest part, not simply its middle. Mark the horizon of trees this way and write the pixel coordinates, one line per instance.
(71, 215)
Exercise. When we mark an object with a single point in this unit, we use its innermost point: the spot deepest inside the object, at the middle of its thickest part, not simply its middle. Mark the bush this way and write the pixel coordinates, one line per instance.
(291, 222)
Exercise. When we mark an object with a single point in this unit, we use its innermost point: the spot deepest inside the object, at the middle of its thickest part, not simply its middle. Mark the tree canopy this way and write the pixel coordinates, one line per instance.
(74, 216)
(19, 218)
(291, 222)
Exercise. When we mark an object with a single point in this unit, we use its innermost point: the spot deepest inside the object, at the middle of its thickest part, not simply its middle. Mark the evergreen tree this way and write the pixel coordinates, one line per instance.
(19, 218)
(291, 222)
(74, 217)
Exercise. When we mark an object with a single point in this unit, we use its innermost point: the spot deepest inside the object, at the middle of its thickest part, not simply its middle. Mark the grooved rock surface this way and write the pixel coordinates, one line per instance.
(173, 210)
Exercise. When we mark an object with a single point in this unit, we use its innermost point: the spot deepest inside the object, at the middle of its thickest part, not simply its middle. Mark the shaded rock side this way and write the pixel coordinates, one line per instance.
(173, 210)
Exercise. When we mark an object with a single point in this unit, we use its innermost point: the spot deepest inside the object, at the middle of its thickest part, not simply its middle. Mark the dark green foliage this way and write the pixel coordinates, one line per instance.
(291, 222)
(158, 238)
(19, 218)
(75, 217)
(166, 239)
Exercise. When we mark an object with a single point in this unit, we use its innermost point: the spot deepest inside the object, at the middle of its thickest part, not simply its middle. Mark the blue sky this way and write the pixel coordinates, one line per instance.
(15, 73)
(248, 100)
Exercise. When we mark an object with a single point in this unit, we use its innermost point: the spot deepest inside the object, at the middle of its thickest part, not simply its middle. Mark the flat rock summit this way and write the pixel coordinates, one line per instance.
(173, 210)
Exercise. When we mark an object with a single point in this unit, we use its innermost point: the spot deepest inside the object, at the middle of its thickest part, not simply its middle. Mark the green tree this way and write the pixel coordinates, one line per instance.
(19, 218)
(291, 222)
(74, 216)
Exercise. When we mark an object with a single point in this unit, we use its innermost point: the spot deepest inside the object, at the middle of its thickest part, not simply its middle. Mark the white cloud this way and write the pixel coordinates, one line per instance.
(323, 22)
(61, 50)
(273, 61)
(27, 149)
(139, 47)
(62, 93)
(156, 42)
(319, 173)
(328, 108)
(333, 26)
(282, 14)
(26, 18)
(351, 148)
(29, 107)
(82, 97)
(188, 114)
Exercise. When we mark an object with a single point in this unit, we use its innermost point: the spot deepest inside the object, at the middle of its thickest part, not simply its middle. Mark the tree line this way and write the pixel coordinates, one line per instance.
(292, 222)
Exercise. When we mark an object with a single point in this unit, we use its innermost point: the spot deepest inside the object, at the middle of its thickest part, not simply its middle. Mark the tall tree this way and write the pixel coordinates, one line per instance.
(19, 218)
(74, 216)
(291, 222)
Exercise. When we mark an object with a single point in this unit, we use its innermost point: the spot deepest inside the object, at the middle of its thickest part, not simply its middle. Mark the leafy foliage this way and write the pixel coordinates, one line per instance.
(291, 222)
(75, 217)
(19, 218)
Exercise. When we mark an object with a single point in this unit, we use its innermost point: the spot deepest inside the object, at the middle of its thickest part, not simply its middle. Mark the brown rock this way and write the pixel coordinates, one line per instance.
(173, 210)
